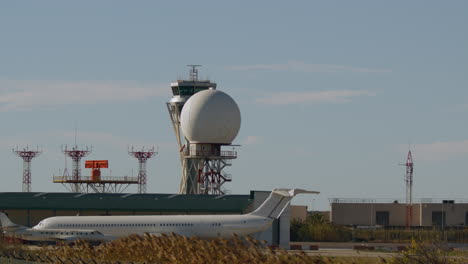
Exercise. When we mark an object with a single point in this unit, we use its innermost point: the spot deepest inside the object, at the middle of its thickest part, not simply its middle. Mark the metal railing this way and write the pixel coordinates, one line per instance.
(352, 200)
(221, 154)
(101, 178)
(390, 200)
(17, 261)
(30, 257)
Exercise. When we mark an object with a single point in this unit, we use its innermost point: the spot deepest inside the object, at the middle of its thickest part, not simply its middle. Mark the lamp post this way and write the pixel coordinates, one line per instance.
(443, 218)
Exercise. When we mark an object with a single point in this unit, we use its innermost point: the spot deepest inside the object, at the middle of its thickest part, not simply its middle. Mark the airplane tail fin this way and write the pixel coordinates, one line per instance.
(278, 200)
(6, 222)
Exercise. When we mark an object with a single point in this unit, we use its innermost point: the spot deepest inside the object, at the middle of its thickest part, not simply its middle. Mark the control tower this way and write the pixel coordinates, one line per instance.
(182, 90)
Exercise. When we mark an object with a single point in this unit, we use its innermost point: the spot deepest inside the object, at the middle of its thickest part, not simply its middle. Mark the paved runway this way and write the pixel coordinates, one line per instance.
(346, 253)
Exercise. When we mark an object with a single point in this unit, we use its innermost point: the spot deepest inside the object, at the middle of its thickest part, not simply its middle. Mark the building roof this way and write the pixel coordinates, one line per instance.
(125, 202)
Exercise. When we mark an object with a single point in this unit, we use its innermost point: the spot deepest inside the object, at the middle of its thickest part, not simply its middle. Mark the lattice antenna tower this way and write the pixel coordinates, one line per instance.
(409, 188)
(194, 72)
(27, 155)
(76, 154)
(142, 156)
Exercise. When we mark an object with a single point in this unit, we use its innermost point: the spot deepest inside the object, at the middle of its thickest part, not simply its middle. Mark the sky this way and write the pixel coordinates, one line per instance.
(331, 93)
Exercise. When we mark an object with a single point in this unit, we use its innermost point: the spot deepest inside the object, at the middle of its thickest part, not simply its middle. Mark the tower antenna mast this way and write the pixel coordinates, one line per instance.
(194, 72)
(409, 188)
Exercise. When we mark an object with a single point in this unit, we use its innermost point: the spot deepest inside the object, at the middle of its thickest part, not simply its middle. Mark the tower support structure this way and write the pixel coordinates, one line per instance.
(76, 155)
(409, 189)
(208, 161)
(142, 156)
(27, 155)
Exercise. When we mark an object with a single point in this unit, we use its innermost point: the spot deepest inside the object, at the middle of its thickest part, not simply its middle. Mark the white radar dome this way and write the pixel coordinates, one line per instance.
(210, 116)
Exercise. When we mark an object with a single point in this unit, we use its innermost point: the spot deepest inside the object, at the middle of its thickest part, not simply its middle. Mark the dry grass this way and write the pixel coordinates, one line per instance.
(435, 252)
(178, 249)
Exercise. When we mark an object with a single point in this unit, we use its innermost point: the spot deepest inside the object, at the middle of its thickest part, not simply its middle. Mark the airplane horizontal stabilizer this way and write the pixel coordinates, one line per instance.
(292, 192)
(6, 222)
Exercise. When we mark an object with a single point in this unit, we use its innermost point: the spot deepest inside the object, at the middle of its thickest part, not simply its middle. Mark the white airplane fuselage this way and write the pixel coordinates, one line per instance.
(204, 226)
(106, 228)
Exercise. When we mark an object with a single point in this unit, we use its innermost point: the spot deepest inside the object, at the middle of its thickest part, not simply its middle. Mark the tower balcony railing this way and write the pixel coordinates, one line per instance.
(94, 179)
(210, 154)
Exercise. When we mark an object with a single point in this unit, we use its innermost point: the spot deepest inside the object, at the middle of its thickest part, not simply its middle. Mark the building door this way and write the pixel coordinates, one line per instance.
(382, 218)
(438, 218)
(276, 232)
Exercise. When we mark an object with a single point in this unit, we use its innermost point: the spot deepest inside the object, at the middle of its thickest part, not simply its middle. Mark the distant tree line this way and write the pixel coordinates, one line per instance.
(317, 228)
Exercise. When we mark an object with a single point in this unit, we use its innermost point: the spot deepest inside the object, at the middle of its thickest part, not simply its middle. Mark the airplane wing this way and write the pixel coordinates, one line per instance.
(66, 239)
(158, 234)
(186, 233)
(70, 239)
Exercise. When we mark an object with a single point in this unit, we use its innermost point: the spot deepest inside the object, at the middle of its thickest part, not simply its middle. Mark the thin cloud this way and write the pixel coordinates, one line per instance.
(458, 108)
(107, 139)
(52, 141)
(315, 97)
(250, 140)
(438, 150)
(21, 95)
(299, 66)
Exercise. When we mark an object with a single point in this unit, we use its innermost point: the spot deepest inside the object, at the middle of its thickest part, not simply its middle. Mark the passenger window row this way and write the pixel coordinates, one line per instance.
(67, 233)
(175, 224)
(104, 225)
(121, 225)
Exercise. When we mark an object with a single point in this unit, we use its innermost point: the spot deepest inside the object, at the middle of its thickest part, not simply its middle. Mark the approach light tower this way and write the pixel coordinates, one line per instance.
(409, 189)
(182, 90)
(142, 157)
(27, 156)
(76, 155)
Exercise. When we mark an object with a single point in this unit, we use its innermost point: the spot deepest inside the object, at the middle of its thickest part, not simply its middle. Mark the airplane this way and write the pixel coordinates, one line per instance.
(67, 229)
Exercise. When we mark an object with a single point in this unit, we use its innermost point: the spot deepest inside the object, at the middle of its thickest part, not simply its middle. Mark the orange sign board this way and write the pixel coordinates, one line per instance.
(96, 164)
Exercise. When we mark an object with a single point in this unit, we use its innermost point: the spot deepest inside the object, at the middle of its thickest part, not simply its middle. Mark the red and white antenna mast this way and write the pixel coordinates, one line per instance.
(76, 154)
(409, 188)
(142, 157)
(27, 156)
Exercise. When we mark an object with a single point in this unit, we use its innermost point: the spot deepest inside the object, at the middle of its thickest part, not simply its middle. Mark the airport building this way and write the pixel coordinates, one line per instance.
(28, 208)
(424, 214)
